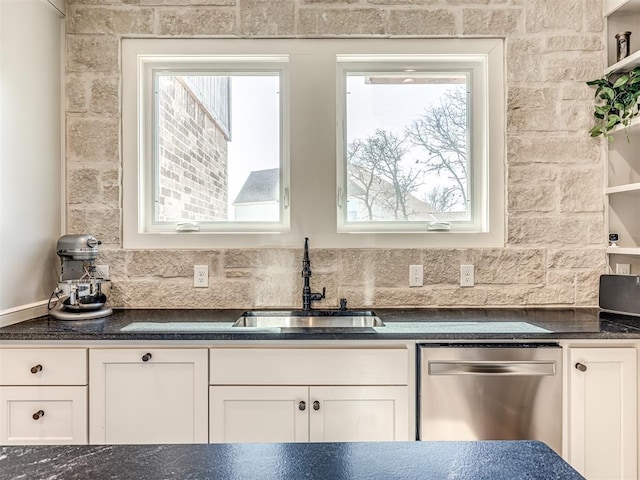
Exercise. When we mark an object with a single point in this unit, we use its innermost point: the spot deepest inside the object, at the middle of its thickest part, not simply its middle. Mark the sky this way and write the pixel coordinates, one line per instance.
(255, 123)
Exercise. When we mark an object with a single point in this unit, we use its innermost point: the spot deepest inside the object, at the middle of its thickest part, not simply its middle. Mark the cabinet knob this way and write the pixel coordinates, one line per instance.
(146, 357)
(581, 367)
(36, 369)
(302, 405)
(39, 414)
(316, 405)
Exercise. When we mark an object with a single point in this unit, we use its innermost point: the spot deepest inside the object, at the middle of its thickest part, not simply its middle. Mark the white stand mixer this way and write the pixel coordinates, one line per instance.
(79, 292)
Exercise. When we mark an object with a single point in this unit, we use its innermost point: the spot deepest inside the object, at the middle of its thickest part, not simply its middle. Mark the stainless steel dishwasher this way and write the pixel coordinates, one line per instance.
(491, 392)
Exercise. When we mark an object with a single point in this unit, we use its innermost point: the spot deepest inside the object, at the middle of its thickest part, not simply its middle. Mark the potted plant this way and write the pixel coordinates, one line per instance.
(619, 95)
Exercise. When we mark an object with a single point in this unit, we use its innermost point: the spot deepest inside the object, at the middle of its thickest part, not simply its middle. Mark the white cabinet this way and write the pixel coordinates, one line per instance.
(258, 414)
(314, 394)
(301, 414)
(358, 414)
(43, 396)
(603, 412)
(154, 395)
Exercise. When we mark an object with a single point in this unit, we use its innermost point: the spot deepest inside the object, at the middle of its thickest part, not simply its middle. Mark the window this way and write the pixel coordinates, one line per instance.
(265, 140)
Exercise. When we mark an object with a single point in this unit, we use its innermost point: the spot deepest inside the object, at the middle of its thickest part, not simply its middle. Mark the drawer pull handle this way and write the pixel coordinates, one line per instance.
(302, 405)
(582, 367)
(38, 415)
(146, 357)
(36, 369)
(316, 405)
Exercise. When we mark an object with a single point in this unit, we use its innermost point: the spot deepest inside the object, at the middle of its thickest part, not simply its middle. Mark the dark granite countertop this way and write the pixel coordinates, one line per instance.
(486, 460)
(401, 324)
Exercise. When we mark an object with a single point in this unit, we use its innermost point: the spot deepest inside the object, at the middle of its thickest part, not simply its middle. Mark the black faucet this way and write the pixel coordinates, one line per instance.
(307, 296)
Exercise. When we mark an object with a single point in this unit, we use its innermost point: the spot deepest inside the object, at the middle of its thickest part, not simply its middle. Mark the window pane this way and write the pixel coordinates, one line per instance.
(217, 156)
(407, 144)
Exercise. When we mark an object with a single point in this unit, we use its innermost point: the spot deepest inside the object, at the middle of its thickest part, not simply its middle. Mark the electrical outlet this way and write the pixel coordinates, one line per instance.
(466, 275)
(623, 268)
(416, 275)
(102, 271)
(201, 276)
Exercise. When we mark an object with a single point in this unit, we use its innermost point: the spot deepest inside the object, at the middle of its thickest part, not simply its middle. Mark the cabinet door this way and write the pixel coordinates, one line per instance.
(602, 412)
(43, 415)
(358, 414)
(259, 414)
(148, 396)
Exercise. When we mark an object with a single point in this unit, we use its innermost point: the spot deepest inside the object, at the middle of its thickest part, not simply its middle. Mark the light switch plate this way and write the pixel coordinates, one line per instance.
(467, 275)
(416, 275)
(201, 276)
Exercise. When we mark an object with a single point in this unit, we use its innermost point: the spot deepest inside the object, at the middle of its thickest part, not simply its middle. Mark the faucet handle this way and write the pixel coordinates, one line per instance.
(343, 304)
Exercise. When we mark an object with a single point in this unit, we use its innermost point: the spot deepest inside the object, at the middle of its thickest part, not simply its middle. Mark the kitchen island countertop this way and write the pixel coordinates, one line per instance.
(536, 324)
(485, 460)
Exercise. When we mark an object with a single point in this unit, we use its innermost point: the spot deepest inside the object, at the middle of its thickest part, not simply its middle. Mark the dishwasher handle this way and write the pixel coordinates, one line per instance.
(491, 368)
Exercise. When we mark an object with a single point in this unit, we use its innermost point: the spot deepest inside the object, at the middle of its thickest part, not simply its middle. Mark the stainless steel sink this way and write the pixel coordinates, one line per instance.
(348, 319)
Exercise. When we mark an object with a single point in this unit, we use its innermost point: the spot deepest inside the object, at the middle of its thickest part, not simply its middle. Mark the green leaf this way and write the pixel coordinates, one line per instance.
(603, 109)
(595, 131)
(621, 81)
(612, 121)
(608, 92)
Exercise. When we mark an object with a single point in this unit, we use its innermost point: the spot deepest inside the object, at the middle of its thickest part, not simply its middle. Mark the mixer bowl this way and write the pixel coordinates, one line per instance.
(80, 295)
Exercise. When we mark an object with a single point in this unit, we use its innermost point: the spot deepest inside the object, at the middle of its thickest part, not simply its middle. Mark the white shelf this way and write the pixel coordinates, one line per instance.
(623, 250)
(620, 6)
(630, 187)
(634, 127)
(626, 64)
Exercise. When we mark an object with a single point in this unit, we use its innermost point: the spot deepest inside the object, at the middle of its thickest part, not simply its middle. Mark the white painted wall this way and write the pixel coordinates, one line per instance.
(31, 33)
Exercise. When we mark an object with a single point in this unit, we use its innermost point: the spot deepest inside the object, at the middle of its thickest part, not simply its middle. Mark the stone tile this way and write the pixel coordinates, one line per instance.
(92, 53)
(420, 22)
(93, 139)
(579, 230)
(441, 266)
(534, 172)
(568, 67)
(581, 190)
(496, 22)
(167, 264)
(532, 197)
(105, 95)
(584, 258)
(587, 288)
(83, 186)
(111, 20)
(333, 21)
(195, 21)
(506, 266)
(524, 59)
(103, 223)
(76, 94)
(379, 267)
(265, 17)
(549, 15)
(552, 148)
(579, 42)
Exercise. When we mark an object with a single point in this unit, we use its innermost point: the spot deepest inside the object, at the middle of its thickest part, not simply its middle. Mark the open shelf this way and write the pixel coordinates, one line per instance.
(623, 250)
(626, 64)
(619, 7)
(630, 187)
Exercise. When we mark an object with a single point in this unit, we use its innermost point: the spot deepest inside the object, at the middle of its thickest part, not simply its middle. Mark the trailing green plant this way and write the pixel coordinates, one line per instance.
(618, 95)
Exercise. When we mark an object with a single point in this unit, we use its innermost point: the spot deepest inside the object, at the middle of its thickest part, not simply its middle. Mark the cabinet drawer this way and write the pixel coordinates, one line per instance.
(309, 366)
(43, 415)
(42, 366)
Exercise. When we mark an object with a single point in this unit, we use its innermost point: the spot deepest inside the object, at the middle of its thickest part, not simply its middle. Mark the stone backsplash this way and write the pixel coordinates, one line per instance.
(554, 251)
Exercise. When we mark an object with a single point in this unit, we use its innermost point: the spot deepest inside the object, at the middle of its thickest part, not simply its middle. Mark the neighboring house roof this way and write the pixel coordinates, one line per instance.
(261, 186)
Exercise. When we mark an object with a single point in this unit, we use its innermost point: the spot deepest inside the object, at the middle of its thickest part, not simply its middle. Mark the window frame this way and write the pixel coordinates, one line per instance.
(310, 143)
(474, 67)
